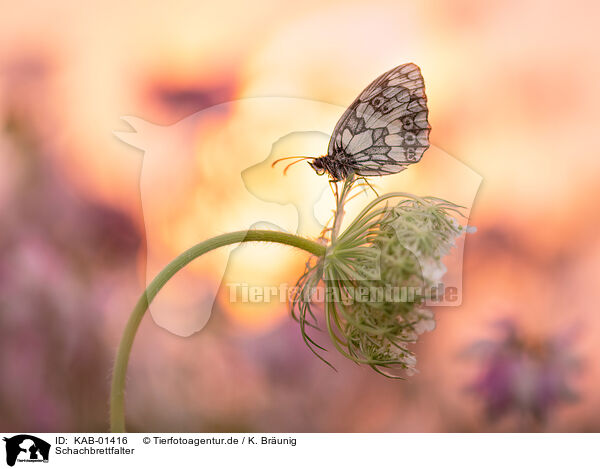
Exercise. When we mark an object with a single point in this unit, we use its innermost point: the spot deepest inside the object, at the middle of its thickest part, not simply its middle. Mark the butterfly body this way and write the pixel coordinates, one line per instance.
(383, 131)
(339, 166)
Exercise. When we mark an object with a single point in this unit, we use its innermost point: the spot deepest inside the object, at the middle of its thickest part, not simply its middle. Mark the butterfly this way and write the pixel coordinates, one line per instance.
(383, 131)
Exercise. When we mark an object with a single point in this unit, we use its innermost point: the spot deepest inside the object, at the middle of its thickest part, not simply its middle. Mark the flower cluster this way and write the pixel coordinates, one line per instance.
(378, 273)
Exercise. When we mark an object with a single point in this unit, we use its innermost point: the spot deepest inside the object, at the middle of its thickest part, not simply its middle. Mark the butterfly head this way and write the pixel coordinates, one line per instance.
(319, 165)
(336, 168)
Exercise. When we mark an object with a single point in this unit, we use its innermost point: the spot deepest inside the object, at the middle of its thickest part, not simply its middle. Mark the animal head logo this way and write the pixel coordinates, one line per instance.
(26, 448)
(211, 173)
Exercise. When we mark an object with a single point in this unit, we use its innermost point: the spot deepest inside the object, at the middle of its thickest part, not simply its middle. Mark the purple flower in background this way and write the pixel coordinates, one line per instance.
(63, 257)
(524, 375)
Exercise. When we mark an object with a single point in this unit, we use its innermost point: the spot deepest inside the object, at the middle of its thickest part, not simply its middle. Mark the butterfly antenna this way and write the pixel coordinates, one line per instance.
(298, 158)
(294, 162)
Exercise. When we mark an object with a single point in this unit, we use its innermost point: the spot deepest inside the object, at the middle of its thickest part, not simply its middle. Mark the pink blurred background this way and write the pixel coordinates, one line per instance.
(513, 94)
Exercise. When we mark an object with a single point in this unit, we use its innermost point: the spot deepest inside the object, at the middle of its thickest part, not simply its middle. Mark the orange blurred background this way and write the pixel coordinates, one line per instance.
(513, 94)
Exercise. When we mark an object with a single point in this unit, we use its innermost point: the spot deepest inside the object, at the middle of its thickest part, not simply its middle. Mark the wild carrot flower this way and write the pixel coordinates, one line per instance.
(377, 275)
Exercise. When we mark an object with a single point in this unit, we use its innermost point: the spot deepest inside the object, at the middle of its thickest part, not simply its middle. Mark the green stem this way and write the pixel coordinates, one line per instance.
(117, 393)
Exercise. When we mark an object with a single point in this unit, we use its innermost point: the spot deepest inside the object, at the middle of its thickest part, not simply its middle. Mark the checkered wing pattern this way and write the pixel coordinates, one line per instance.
(386, 128)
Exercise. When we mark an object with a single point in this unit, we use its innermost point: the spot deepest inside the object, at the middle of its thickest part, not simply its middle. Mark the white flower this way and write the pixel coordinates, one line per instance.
(433, 270)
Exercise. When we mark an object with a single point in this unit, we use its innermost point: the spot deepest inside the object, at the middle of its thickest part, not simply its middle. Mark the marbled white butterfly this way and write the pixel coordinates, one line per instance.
(383, 131)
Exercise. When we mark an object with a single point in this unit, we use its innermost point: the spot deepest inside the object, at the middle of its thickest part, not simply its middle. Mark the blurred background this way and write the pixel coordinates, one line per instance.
(513, 94)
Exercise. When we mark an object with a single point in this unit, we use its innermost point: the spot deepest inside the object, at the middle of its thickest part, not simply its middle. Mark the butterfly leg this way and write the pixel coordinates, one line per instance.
(369, 184)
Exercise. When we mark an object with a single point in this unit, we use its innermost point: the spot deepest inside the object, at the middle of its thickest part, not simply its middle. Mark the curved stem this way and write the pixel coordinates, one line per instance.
(117, 393)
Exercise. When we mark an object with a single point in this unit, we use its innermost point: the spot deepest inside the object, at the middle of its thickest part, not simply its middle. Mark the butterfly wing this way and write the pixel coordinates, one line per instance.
(385, 128)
